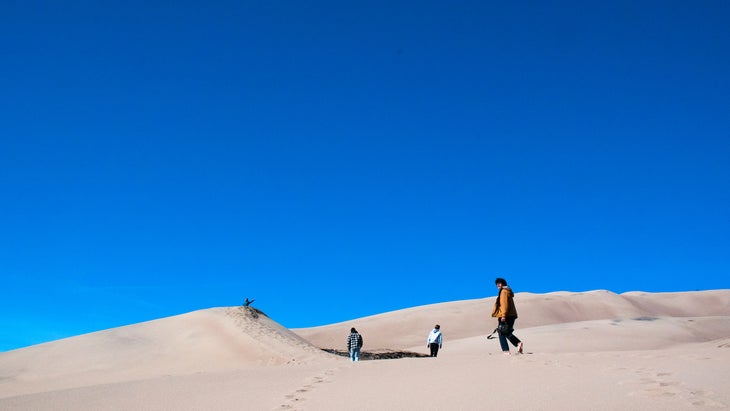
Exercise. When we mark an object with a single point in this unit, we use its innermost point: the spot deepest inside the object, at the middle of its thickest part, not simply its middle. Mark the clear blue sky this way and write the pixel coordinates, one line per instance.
(335, 159)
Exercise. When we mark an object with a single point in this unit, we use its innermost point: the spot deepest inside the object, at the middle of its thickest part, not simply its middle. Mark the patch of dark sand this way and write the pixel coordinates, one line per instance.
(377, 355)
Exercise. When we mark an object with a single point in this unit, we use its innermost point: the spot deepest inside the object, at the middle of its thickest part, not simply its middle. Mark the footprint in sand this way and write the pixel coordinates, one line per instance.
(661, 384)
(702, 398)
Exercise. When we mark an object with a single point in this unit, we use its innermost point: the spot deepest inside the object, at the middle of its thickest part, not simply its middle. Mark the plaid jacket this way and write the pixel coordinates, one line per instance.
(354, 340)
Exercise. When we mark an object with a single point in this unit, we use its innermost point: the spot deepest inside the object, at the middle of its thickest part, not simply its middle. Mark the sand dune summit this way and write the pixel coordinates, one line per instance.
(595, 349)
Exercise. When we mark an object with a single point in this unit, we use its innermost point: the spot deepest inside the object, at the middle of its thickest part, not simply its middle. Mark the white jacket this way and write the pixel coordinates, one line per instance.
(434, 337)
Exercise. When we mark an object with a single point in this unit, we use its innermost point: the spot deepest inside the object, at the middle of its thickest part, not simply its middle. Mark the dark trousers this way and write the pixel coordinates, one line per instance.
(511, 337)
(434, 349)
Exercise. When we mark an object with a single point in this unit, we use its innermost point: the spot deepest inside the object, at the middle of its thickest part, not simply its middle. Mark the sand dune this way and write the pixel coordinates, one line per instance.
(469, 318)
(583, 350)
(211, 340)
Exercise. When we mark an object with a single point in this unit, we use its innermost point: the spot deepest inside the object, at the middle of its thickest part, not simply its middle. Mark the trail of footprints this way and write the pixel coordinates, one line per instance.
(662, 384)
(245, 319)
(296, 400)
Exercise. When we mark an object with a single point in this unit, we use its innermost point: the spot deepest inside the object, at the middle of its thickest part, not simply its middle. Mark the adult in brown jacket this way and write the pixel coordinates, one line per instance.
(505, 312)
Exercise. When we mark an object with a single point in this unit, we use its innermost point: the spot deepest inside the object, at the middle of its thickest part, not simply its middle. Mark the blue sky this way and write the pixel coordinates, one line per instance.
(335, 159)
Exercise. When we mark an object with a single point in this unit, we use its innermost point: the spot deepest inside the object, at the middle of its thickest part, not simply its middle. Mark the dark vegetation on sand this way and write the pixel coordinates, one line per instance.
(382, 355)
(252, 312)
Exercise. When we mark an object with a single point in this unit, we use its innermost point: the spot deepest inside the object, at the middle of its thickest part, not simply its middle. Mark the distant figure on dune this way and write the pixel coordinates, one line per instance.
(506, 314)
(248, 302)
(354, 343)
(434, 340)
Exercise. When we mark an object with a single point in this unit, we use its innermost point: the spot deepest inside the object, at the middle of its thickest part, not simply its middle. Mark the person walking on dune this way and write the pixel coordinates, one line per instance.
(506, 314)
(354, 343)
(434, 340)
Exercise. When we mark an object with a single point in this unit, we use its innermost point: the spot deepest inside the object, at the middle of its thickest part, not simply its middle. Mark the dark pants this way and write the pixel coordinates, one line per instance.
(511, 337)
(434, 349)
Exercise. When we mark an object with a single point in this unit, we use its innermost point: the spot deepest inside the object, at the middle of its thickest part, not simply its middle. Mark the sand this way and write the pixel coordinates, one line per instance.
(592, 350)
